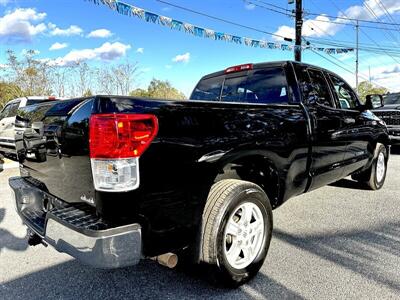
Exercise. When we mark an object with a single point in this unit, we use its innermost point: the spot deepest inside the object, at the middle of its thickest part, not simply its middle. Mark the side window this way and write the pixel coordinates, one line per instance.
(303, 81)
(10, 110)
(208, 89)
(346, 97)
(4, 112)
(319, 88)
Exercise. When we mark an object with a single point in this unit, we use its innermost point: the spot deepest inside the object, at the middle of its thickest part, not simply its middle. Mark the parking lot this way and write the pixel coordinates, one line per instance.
(340, 241)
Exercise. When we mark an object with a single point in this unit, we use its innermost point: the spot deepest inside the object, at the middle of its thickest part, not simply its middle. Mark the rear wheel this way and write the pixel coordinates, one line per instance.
(375, 175)
(237, 229)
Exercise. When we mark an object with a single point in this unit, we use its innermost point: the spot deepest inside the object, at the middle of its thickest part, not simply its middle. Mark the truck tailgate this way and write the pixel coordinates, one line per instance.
(52, 146)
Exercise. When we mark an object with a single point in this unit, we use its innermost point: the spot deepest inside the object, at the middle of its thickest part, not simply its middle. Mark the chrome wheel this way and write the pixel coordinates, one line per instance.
(380, 167)
(244, 235)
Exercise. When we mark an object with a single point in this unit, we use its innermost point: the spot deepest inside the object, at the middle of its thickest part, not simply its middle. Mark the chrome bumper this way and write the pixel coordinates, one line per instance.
(61, 227)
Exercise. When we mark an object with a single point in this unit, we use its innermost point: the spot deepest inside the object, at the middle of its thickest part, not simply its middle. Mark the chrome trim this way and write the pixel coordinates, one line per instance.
(212, 156)
(112, 248)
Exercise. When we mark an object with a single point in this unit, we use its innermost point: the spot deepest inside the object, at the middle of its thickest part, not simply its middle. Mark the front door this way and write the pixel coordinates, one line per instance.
(357, 132)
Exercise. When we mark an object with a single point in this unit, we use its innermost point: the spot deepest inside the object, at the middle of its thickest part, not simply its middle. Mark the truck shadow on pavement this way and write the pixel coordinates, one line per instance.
(350, 184)
(147, 280)
(8, 240)
(366, 252)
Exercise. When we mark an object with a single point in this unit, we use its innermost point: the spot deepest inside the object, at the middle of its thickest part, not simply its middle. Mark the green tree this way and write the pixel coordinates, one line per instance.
(159, 89)
(9, 91)
(31, 75)
(367, 88)
(87, 93)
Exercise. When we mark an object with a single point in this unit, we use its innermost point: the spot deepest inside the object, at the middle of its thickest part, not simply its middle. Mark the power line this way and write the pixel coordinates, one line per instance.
(285, 12)
(393, 23)
(220, 19)
(343, 68)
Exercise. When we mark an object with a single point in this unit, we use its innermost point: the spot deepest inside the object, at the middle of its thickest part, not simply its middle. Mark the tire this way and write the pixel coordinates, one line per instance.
(245, 207)
(375, 175)
(40, 156)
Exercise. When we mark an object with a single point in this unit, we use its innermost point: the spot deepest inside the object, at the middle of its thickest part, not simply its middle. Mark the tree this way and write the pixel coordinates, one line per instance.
(159, 89)
(367, 88)
(9, 91)
(87, 93)
(32, 76)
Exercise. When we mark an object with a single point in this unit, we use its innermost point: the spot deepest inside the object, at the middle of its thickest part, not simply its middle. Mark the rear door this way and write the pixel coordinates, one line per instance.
(7, 120)
(328, 144)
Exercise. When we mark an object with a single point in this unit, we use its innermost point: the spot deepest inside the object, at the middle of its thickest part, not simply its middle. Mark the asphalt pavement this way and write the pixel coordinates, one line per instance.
(338, 242)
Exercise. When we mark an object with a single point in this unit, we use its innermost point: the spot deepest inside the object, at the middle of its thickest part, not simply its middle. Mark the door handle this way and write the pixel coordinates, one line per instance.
(349, 121)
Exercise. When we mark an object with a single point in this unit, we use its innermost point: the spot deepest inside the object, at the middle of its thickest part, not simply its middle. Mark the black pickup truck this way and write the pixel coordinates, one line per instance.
(125, 178)
(388, 109)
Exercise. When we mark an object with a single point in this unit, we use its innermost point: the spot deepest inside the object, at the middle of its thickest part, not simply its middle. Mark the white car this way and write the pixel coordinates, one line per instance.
(7, 121)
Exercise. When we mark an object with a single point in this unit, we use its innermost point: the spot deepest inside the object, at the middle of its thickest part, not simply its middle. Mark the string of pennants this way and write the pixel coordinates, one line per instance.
(133, 11)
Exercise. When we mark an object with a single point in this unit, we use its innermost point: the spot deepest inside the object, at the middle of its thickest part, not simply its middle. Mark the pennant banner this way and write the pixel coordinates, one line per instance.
(132, 11)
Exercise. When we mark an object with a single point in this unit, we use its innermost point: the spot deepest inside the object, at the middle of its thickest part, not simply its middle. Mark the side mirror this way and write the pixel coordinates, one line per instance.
(374, 101)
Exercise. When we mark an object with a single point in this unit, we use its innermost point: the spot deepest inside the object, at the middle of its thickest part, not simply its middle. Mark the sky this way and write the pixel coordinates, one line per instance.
(63, 31)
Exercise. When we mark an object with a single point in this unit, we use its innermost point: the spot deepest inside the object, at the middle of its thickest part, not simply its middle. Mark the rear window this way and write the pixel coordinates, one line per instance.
(268, 86)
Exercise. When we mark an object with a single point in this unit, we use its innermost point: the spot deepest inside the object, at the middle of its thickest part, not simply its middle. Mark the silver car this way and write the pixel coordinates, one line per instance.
(7, 121)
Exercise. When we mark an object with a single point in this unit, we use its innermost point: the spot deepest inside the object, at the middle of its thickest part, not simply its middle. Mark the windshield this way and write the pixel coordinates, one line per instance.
(392, 98)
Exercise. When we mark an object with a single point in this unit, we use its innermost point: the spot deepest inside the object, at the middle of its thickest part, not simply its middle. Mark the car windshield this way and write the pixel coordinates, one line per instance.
(392, 98)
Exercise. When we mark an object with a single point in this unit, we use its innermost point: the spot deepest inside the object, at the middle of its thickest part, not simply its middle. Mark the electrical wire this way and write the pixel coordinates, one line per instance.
(220, 19)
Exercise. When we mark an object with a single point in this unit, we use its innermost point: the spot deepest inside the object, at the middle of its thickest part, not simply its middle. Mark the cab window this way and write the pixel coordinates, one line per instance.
(10, 110)
(345, 95)
(319, 90)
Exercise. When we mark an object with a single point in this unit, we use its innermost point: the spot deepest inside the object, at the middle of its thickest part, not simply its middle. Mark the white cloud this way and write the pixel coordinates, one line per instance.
(249, 6)
(4, 2)
(107, 52)
(182, 58)
(100, 33)
(71, 30)
(316, 28)
(140, 50)
(19, 26)
(311, 28)
(58, 46)
(168, 66)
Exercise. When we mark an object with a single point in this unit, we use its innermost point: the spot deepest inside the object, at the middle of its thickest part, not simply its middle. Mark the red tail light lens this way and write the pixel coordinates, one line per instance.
(121, 135)
(239, 68)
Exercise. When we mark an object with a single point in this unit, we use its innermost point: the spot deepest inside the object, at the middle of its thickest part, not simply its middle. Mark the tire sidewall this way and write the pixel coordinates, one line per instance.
(378, 185)
(259, 198)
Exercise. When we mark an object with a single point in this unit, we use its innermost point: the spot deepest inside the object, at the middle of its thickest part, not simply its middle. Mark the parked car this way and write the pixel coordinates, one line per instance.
(7, 122)
(389, 111)
(127, 178)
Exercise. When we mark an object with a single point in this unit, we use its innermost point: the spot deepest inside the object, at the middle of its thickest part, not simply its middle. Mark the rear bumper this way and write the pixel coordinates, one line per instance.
(8, 150)
(75, 229)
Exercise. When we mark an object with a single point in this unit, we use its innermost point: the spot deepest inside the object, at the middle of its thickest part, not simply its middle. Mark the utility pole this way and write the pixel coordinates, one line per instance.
(298, 27)
(357, 32)
(369, 72)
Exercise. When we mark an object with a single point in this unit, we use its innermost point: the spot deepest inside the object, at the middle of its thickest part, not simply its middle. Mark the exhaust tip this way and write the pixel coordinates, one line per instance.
(169, 260)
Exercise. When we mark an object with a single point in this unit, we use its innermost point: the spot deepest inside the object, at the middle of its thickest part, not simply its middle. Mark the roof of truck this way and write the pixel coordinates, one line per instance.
(264, 65)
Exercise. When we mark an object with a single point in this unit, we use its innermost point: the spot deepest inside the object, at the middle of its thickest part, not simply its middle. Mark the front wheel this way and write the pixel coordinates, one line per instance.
(237, 229)
(375, 175)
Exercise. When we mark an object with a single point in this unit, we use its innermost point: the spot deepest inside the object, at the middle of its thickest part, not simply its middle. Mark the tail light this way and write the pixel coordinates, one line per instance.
(116, 143)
